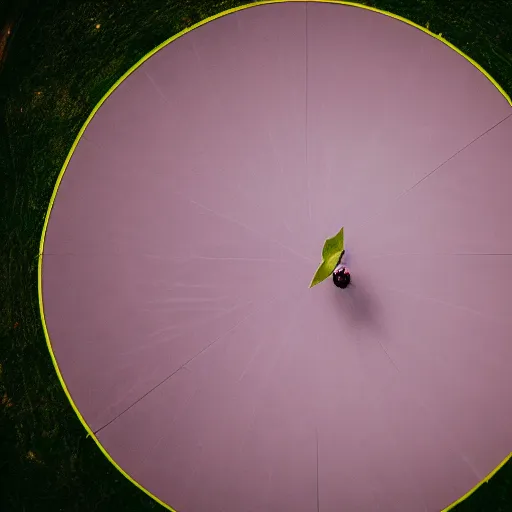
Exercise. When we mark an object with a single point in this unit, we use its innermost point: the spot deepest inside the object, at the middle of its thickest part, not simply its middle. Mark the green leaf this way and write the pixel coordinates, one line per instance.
(331, 253)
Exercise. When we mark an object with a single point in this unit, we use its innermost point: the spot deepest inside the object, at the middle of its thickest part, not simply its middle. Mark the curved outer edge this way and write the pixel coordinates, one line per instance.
(90, 433)
(479, 484)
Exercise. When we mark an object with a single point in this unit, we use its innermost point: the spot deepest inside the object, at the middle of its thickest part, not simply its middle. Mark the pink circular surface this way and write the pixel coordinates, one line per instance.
(190, 221)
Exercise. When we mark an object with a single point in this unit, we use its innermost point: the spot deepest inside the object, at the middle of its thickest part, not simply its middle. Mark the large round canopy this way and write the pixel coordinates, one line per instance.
(189, 222)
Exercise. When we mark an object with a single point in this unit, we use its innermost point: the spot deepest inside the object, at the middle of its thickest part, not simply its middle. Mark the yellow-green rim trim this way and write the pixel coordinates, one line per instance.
(79, 136)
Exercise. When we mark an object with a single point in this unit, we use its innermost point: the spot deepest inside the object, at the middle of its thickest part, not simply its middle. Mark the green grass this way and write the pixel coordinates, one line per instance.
(57, 66)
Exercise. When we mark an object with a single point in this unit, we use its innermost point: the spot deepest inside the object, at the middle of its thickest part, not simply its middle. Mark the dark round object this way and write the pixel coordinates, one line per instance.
(341, 277)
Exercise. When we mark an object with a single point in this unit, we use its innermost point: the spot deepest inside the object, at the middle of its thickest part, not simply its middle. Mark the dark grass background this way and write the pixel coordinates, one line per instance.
(55, 65)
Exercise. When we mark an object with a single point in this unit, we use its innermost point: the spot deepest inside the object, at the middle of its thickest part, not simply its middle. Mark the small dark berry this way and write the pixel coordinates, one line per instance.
(341, 277)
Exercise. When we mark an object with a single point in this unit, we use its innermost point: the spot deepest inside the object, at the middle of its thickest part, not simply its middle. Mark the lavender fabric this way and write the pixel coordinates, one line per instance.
(191, 219)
